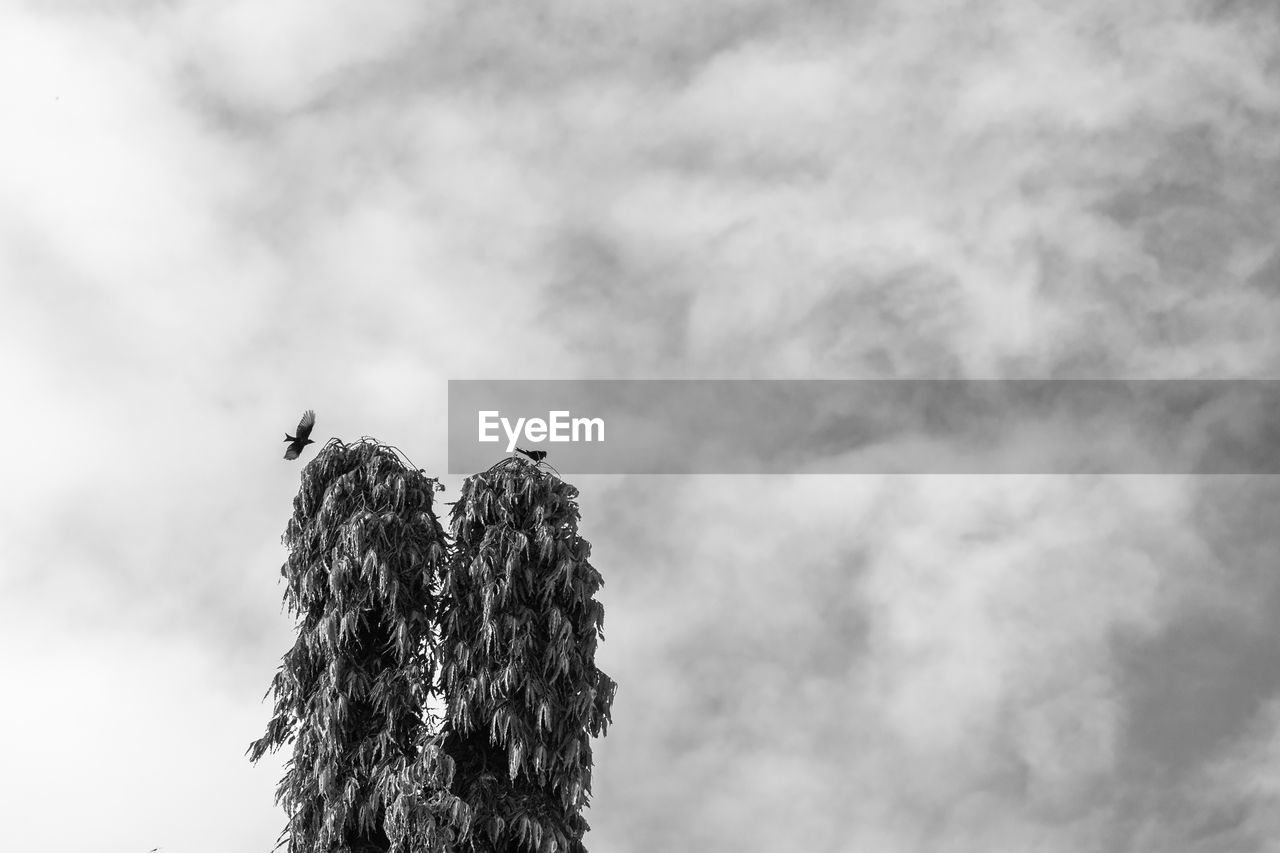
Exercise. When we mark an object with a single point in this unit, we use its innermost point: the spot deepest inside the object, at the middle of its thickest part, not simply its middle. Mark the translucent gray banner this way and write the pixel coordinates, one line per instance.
(870, 427)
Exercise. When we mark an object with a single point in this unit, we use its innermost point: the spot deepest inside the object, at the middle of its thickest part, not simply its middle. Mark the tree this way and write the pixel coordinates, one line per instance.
(365, 550)
(395, 625)
(519, 627)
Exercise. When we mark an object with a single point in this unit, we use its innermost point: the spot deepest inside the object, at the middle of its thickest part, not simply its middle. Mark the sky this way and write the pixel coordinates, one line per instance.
(214, 215)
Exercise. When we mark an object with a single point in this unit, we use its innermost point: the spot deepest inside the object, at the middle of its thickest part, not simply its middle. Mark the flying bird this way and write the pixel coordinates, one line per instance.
(535, 455)
(302, 439)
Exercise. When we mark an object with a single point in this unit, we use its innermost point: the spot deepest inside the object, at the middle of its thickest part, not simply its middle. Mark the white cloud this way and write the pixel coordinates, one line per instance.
(215, 215)
(124, 744)
(284, 57)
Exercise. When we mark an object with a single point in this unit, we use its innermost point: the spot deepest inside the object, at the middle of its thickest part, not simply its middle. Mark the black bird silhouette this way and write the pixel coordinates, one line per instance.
(301, 440)
(535, 455)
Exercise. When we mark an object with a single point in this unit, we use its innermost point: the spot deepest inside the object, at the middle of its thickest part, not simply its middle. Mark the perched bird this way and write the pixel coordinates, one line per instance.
(302, 439)
(535, 455)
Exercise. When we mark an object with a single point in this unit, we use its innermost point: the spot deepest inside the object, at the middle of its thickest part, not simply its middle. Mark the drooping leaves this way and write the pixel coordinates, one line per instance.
(365, 550)
(518, 633)
(499, 630)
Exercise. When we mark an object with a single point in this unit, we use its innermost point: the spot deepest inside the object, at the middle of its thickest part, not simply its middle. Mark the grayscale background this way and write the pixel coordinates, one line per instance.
(217, 213)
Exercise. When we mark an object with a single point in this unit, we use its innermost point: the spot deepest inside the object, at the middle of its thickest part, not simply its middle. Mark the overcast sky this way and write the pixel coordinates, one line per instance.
(215, 214)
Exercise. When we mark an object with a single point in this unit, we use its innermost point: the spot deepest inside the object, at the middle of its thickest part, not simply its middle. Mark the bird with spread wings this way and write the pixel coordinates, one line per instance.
(302, 439)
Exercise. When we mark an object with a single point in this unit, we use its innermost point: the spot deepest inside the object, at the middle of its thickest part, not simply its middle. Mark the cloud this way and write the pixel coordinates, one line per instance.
(126, 735)
(286, 58)
(213, 216)
(929, 657)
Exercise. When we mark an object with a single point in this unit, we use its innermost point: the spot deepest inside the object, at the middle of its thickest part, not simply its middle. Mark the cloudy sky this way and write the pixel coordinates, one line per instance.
(214, 215)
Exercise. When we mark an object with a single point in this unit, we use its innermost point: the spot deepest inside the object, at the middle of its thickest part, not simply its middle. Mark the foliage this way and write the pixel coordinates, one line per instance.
(519, 627)
(499, 630)
(365, 548)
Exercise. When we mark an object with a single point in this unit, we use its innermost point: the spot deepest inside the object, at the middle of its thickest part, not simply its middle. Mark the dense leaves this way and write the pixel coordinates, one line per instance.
(499, 631)
(365, 548)
(519, 627)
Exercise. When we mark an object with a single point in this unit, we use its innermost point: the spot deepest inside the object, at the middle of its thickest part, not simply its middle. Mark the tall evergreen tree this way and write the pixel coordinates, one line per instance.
(500, 632)
(519, 627)
(365, 549)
